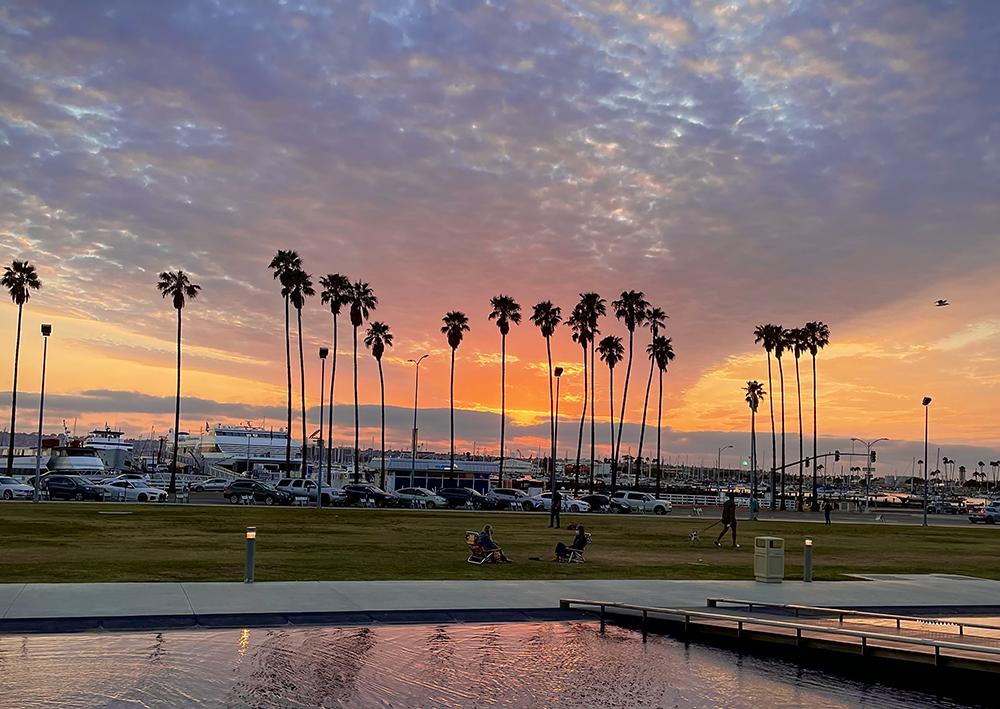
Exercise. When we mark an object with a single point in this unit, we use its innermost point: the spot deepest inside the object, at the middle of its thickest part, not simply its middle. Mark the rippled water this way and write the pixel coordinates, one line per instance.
(511, 665)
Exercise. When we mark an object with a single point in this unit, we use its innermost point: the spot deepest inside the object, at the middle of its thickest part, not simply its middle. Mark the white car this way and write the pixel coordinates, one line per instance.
(642, 502)
(135, 491)
(13, 489)
(210, 485)
(410, 495)
(543, 501)
(131, 477)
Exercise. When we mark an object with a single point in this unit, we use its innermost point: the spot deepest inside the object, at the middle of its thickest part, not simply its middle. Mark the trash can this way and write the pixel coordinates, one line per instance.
(769, 559)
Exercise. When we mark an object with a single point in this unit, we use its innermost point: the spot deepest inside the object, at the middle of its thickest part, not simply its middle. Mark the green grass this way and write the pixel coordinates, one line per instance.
(73, 543)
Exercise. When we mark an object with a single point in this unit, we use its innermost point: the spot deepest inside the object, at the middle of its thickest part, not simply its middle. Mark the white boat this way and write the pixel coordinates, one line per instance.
(237, 448)
(115, 452)
(77, 460)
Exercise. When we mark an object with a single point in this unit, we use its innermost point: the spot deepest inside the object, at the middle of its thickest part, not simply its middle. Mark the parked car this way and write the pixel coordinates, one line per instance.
(411, 495)
(508, 495)
(543, 501)
(941, 508)
(308, 489)
(641, 502)
(13, 489)
(210, 485)
(135, 491)
(261, 492)
(461, 496)
(357, 493)
(71, 487)
(990, 514)
(135, 477)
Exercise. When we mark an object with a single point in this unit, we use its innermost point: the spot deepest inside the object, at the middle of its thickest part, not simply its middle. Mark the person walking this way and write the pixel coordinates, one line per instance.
(827, 509)
(555, 508)
(728, 520)
(754, 508)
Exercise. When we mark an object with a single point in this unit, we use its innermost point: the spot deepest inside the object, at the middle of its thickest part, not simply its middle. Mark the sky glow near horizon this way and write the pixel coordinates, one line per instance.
(743, 162)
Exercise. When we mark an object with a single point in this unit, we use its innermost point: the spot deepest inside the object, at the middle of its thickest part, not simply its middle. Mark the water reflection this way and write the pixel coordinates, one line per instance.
(524, 666)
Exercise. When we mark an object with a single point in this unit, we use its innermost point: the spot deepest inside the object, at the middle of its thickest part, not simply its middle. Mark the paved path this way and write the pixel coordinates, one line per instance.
(66, 607)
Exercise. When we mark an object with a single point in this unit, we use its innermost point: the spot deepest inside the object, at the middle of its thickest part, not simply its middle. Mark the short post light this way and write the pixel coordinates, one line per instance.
(807, 571)
(251, 545)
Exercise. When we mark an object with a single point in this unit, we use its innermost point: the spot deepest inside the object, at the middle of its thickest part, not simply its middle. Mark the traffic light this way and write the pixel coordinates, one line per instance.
(807, 462)
(836, 456)
(873, 456)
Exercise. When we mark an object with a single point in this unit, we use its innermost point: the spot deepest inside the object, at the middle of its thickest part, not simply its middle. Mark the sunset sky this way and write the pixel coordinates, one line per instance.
(739, 162)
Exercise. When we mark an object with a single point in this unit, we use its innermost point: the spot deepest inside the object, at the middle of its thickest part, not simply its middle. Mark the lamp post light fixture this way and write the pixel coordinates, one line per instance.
(46, 331)
(323, 353)
(416, 390)
(718, 464)
(555, 432)
(868, 463)
(926, 404)
(251, 548)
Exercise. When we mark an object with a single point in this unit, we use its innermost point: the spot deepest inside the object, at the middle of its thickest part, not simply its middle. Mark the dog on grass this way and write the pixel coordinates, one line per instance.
(693, 537)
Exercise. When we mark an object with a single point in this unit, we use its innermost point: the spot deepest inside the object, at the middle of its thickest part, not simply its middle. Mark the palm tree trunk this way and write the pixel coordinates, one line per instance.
(593, 399)
(798, 388)
(552, 419)
(329, 428)
(357, 418)
(503, 402)
(774, 442)
(781, 377)
(583, 421)
(642, 428)
(381, 384)
(13, 395)
(172, 488)
(621, 419)
(451, 471)
(288, 366)
(302, 391)
(815, 502)
(659, 450)
(611, 409)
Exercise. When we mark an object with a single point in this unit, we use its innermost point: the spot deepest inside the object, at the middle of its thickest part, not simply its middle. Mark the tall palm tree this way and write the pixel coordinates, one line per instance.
(797, 342)
(284, 265)
(593, 306)
(20, 278)
(817, 337)
(578, 321)
(336, 293)
(547, 317)
(754, 393)
(612, 352)
(178, 286)
(363, 302)
(631, 309)
(456, 324)
(377, 339)
(768, 335)
(782, 343)
(505, 311)
(655, 319)
(302, 288)
(662, 352)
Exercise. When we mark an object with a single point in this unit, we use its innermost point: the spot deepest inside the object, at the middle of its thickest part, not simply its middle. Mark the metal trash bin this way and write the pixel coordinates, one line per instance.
(769, 559)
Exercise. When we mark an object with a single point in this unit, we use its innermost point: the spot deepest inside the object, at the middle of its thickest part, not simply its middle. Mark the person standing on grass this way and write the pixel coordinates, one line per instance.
(728, 520)
(554, 509)
(754, 507)
(827, 509)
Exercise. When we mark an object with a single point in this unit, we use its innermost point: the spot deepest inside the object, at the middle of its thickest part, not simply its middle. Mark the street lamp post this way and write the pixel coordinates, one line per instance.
(718, 465)
(555, 433)
(46, 331)
(323, 352)
(416, 387)
(868, 463)
(927, 406)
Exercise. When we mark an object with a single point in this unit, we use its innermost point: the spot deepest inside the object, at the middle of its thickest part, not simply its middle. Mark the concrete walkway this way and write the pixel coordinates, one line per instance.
(89, 606)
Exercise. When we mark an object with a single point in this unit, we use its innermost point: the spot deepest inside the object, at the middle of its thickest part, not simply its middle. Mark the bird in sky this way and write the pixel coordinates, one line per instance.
(942, 303)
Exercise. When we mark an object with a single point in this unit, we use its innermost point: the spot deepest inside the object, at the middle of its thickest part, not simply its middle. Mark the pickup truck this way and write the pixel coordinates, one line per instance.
(641, 502)
(990, 514)
(941, 508)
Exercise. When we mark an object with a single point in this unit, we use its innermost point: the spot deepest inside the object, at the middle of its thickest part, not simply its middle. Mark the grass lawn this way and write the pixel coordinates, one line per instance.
(62, 542)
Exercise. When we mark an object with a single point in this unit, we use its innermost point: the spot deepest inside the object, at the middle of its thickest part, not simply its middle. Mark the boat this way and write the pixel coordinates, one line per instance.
(75, 459)
(112, 449)
(244, 450)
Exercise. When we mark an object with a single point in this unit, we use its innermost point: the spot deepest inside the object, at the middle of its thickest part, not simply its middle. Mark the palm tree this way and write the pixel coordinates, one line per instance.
(661, 350)
(754, 393)
(363, 302)
(505, 311)
(612, 352)
(284, 264)
(655, 319)
(782, 343)
(578, 321)
(797, 342)
(178, 286)
(456, 324)
(377, 339)
(593, 307)
(336, 293)
(817, 337)
(302, 288)
(20, 278)
(769, 336)
(631, 308)
(547, 318)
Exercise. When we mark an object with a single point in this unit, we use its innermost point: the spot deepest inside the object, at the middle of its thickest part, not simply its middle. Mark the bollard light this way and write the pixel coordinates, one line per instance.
(807, 574)
(251, 544)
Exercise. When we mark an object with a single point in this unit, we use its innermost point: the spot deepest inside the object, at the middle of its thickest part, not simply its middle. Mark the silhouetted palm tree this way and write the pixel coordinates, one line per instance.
(662, 352)
(817, 337)
(377, 339)
(797, 342)
(547, 318)
(782, 343)
(578, 321)
(302, 288)
(456, 324)
(754, 393)
(284, 264)
(505, 311)
(20, 278)
(593, 307)
(631, 309)
(769, 336)
(178, 286)
(655, 319)
(612, 352)
(363, 302)
(336, 293)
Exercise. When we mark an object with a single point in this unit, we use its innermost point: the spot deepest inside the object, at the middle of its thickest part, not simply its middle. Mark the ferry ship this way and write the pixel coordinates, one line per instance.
(239, 449)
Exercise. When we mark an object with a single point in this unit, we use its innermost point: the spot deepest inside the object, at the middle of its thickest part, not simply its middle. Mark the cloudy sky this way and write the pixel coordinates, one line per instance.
(739, 162)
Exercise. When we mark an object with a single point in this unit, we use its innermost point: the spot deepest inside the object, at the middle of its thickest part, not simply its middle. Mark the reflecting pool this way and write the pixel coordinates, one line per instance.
(415, 666)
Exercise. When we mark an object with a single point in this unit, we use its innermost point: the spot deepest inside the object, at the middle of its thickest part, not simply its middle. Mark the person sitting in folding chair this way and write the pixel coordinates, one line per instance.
(573, 552)
(483, 549)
